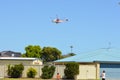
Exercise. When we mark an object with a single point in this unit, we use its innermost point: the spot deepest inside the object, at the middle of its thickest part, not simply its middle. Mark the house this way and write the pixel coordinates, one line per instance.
(94, 62)
(10, 54)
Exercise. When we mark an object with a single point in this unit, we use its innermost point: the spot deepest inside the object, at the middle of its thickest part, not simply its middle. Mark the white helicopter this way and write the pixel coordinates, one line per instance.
(58, 20)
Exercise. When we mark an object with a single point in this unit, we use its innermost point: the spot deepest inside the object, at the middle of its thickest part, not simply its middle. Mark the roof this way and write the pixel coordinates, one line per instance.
(100, 55)
(16, 58)
(10, 54)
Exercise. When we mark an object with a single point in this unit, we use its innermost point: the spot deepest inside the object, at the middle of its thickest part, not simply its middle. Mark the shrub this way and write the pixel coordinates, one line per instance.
(48, 72)
(71, 70)
(15, 71)
(31, 72)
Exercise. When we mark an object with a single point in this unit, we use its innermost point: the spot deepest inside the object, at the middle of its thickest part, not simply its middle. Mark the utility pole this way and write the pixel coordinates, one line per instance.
(71, 48)
(109, 45)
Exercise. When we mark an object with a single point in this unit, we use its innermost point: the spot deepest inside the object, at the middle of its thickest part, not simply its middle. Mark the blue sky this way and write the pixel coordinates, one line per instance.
(92, 24)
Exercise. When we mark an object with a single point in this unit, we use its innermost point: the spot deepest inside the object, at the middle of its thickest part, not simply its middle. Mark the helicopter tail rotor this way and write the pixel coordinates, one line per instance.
(66, 19)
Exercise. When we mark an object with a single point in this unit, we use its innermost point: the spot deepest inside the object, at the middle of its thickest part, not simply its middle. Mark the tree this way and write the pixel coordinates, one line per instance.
(15, 71)
(50, 54)
(71, 70)
(32, 51)
(68, 55)
(48, 72)
(31, 72)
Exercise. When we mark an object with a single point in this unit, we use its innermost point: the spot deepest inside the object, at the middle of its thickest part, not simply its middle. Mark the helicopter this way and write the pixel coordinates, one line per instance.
(58, 20)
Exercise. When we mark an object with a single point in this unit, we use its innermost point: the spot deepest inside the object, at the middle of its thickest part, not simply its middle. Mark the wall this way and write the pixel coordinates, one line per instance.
(87, 70)
(27, 64)
(59, 68)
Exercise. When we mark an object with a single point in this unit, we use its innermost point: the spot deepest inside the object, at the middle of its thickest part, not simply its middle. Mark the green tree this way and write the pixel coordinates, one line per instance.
(31, 72)
(48, 72)
(50, 54)
(68, 55)
(15, 71)
(32, 51)
(71, 70)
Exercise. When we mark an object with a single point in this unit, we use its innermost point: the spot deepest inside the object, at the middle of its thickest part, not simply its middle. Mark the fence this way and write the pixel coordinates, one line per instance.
(59, 68)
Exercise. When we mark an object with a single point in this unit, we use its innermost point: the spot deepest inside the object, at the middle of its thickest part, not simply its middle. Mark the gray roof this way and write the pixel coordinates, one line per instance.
(100, 55)
(10, 54)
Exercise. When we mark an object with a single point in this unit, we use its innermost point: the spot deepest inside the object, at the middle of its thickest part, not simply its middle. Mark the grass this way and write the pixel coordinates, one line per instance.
(32, 79)
(24, 79)
(29, 79)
